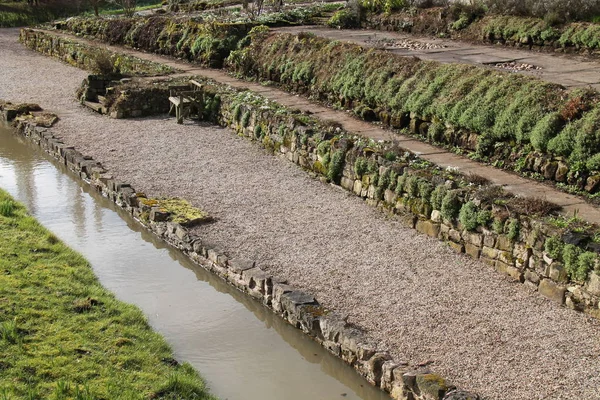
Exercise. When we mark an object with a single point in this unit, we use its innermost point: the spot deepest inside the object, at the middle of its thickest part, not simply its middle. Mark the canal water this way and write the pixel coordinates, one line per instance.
(241, 348)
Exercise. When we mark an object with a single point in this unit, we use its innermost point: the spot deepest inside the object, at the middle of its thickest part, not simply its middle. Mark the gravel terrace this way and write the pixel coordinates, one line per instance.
(425, 303)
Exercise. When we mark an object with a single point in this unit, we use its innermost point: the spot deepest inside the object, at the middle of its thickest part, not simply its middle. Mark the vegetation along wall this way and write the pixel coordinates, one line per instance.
(514, 121)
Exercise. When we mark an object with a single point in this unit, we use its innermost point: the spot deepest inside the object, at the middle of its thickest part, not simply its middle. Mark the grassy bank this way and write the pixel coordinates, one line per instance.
(62, 335)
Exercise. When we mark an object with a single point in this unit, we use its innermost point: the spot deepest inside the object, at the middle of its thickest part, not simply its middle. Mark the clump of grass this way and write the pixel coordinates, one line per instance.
(9, 332)
(513, 229)
(7, 208)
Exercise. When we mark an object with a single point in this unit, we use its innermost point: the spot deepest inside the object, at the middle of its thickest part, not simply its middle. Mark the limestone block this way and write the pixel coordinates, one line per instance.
(593, 285)
(556, 271)
(509, 270)
(239, 265)
(431, 386)
(489, 252)
(472, 250)
(552, 290)
(427, 227)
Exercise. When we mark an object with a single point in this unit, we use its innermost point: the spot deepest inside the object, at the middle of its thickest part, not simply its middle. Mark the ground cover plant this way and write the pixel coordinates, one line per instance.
(512, 114)
(63, 336)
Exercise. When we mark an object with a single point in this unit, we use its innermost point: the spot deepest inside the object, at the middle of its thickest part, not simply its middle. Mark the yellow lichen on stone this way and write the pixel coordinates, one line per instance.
(182, 211)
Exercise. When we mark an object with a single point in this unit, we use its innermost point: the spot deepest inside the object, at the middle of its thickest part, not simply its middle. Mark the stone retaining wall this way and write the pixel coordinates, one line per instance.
(513, 241)
(297, 307)
(90, 57)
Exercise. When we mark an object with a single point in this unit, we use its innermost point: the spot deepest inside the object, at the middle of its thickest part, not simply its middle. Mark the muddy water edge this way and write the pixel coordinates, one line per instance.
(242, 349)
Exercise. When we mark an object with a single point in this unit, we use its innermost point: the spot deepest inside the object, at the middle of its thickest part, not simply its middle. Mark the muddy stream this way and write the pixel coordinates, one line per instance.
(241, 348)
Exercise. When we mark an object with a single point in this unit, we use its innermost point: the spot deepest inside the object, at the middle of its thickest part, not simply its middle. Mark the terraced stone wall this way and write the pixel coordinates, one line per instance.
(554, 255)
(90, 58)
(515, 122)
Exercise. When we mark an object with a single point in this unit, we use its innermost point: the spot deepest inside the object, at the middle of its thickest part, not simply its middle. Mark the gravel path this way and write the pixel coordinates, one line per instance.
(419, 299)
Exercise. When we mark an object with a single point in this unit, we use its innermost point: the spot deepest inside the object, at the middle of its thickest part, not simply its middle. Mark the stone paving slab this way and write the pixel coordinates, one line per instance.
(512, 182)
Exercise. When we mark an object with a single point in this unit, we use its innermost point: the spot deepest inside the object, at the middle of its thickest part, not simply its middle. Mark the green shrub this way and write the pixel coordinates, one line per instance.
(545, 130)
(437, 196)
(246, 119)
(344, 19)
(258, 131)
(237, 112)
(401, 183)
(570, 257)
(554, 247)
(450, 205)
(484, 217)
(468, 216)
(336, 166)
(498, 226)
(412, 186)
(382, 184)
(360, 166)
(425, 190)
(513, 230)
(585, 264)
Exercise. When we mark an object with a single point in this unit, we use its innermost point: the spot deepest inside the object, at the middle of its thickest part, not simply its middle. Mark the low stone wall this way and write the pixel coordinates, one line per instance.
(90, 57)
(297, 307)
(557, 257)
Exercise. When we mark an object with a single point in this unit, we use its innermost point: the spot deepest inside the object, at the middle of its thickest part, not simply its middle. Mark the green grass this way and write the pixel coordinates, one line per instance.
(63, 336)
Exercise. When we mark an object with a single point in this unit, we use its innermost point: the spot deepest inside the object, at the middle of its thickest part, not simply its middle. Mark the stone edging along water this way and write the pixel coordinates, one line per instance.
(299, 308)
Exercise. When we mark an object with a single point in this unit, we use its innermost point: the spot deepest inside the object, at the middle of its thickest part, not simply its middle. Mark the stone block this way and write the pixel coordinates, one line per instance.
(357, 188)
(454, 235)
(506, 257)
(457, 247)
(593, 285)
(476, 239)
(556, 271)
(531, 276)
(503, 243)
(552, 291)
(158, 215)
(472, 250)
(347, 184)
(509, 270)
(436, 216)
(374, 368)
(390, 196)
(431, 386)
(489, 252)
(427, 227)
(239, 265)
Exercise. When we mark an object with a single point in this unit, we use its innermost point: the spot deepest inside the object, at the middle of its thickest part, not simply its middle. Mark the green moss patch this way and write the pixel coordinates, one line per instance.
(180, 210)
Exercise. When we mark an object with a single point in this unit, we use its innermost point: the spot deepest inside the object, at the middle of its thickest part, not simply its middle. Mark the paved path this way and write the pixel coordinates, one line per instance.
(513, 183)
(570, 71)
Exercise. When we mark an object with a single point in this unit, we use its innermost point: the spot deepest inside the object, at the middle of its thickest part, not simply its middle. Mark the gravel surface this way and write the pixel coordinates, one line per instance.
(416, 297)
